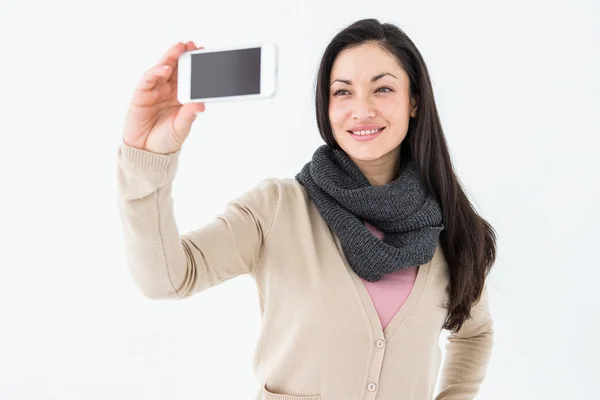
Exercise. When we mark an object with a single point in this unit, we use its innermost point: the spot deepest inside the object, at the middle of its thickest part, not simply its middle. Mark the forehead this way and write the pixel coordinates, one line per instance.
(363, 62)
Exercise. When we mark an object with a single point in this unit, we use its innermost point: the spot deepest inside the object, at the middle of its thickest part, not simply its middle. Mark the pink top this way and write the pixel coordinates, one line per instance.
(390, 292)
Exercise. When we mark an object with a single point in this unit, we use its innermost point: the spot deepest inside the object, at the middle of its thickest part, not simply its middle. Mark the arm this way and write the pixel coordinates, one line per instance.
(467, 355)
(164, 264)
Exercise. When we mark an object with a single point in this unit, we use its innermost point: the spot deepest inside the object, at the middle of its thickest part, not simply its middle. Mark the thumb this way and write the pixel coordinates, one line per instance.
(186, 116)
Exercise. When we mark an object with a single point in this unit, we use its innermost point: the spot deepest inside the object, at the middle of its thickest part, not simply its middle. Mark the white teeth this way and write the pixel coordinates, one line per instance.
(369, 132)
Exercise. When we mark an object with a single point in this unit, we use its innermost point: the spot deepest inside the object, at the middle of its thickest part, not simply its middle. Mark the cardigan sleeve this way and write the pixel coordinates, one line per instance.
(167, 265)
(468, 352)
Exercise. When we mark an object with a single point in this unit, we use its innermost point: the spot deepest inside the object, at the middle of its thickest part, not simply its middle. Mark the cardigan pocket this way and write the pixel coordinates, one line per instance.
(268, 395)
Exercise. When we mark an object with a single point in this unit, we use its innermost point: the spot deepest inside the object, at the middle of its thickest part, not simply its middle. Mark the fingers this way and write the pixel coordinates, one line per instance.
(166, 69)
(153, 75)
(189, 46)
(172, 55)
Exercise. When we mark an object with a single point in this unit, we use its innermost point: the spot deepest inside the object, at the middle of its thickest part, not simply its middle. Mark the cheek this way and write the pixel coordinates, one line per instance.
(393, 110)
(398, 117)
(338, 115)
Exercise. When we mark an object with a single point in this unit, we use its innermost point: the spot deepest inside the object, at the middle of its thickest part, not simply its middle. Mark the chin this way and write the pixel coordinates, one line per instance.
(367, 152)
(364, 154)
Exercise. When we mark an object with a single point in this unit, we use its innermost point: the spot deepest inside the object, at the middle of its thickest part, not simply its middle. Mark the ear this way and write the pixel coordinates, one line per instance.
(414, 100)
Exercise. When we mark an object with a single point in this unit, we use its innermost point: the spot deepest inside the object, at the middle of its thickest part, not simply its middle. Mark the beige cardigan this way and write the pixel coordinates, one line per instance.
(321, 337)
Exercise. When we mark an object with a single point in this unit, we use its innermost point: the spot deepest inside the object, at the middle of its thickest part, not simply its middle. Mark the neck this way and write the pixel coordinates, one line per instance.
(381, 171)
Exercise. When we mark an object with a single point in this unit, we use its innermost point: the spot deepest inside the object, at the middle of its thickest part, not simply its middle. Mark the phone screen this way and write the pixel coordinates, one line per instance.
(225, 73)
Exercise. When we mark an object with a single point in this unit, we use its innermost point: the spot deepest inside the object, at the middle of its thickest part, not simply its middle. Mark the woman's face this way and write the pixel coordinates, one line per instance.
(369, 103)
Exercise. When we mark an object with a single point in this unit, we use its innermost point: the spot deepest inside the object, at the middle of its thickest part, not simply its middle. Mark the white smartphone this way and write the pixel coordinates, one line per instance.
(227, 73)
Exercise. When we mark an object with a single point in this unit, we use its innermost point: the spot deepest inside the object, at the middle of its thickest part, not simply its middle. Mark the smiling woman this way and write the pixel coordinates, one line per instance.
(373, 76)
(360, 261)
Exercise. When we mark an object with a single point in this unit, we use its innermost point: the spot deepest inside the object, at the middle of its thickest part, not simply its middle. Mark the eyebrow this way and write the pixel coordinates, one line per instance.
(373, 79)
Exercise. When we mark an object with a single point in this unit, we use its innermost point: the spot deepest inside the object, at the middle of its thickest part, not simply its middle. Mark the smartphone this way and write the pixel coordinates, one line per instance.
(227, 73)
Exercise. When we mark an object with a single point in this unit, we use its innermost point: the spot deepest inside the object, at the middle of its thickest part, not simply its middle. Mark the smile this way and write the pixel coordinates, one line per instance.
(367, 134)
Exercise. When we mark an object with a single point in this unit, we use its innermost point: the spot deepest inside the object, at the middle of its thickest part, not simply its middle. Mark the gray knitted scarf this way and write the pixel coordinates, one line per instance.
(407, 214)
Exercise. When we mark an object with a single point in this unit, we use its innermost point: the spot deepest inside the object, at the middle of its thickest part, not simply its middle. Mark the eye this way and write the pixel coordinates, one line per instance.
(341, 91)
(336, 93)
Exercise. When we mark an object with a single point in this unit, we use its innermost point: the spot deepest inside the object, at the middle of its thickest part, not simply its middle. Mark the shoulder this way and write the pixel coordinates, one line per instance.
(287, 188)
(278, 205)
(276, 195)
(280, 189)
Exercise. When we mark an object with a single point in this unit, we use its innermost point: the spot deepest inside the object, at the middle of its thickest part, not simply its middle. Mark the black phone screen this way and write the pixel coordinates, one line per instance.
(225, 73)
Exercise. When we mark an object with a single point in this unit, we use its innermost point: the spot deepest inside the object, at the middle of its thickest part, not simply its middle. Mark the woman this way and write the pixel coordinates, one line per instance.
(359, 262)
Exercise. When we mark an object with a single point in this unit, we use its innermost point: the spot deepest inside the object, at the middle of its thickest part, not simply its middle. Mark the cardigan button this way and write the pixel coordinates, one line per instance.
(380, 343)
(371, 387)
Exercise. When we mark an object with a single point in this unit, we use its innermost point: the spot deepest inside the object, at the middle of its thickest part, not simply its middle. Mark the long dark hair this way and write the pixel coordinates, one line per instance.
(468, 241)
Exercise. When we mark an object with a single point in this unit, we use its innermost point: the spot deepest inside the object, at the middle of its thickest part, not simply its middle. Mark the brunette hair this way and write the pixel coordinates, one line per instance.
(468, 241)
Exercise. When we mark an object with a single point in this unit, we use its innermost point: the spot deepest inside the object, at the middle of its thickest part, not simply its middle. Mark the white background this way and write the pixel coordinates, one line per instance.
(516, 85)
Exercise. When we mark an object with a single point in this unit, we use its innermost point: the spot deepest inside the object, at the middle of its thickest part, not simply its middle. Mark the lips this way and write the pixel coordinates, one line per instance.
(366, 132)
(366, 135)
(365, 127)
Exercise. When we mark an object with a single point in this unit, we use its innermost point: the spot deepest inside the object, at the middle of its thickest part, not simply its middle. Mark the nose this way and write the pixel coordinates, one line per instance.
(363, 109)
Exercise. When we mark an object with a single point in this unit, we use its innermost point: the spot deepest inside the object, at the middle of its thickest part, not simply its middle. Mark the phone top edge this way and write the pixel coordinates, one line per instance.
(233, 47)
